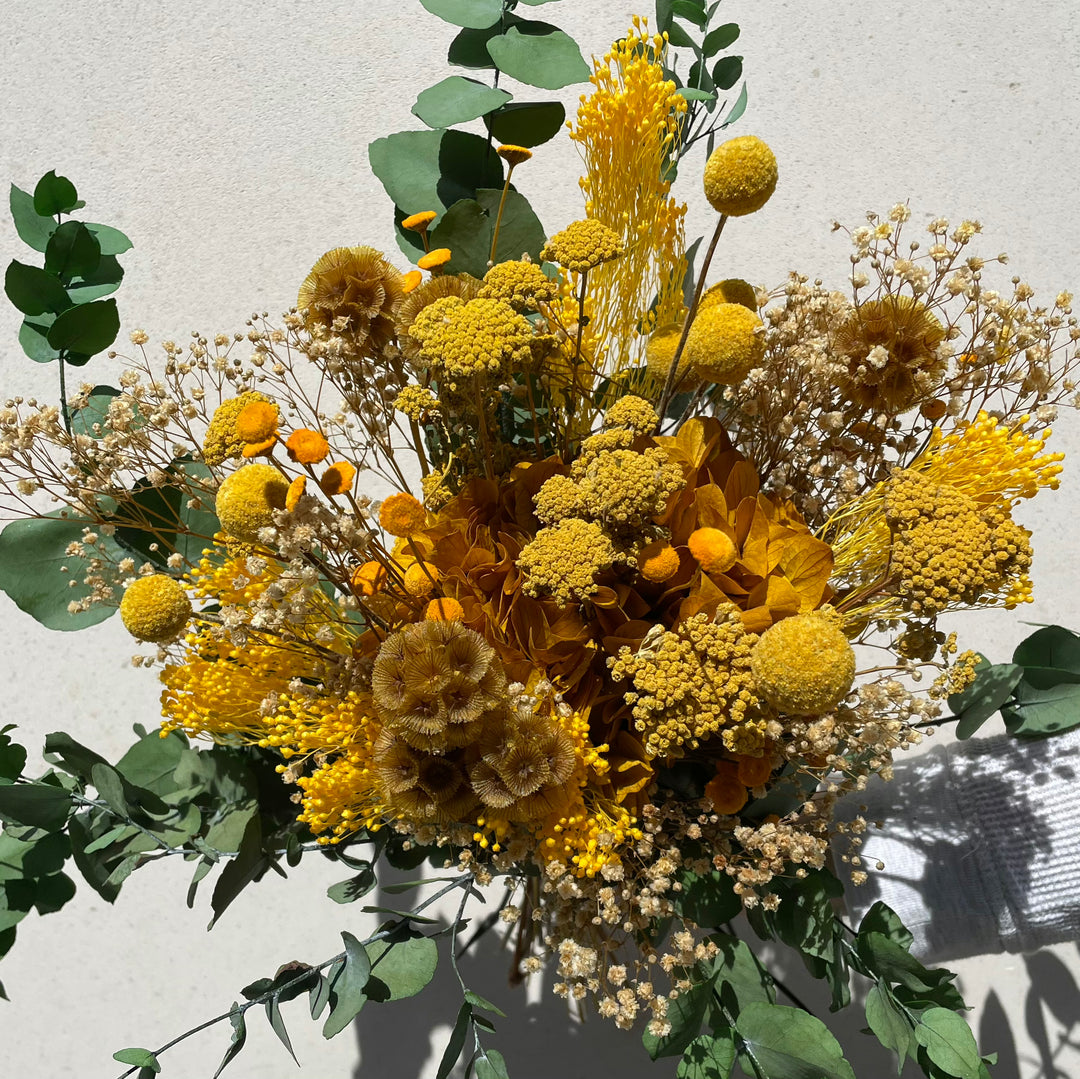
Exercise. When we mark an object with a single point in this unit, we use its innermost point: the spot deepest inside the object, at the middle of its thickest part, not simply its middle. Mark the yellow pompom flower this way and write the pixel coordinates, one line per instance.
(583, 245)
(420, 579)
(247, 499)
(657, 561)
(402, 514)
(740, 176)
(222, 439)
(434, 259)
(713, 549)
(660, 351)
(155, 608)
(307, 447)
(338, 478)
(725, 342)
(257, 421)
(803, 665)
(731, 290)
(368, 578)
(444, 609)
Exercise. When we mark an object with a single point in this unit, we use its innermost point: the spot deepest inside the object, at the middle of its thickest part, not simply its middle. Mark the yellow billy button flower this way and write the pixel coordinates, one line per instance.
(803, 665)
(740, 176)
(660, 351)
(731, 290)
(419, 222)
(434, 260)
(713, 549)
(307, 447)
(338, 478)
(724, 790)
(725, 342)
(444, 609)
(421, 578)
(402, 514)
(411, 281)
(295, 493)
(155, 608)
(247, 499)
(658, 561)
(368, 578)
(514, 155)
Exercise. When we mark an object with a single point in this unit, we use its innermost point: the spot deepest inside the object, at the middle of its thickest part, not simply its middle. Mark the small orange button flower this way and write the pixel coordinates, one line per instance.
(338, 478)
(307, 447)
(402, 514)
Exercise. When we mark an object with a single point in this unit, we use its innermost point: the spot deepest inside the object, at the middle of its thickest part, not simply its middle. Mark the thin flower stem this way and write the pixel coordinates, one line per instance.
(571, 399)
(498, 217)
(63, 396)
(669, 384)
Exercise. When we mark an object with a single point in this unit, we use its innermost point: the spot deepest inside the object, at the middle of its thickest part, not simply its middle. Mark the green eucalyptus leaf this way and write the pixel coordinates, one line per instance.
(948, 1042)
(105, 279)
(665, 12)
(152, 762)
(721, 38)
(239, 1037)
(478, 1001)
(55, 195)
(889, 1025)
(881, 918)
(34, 291)
(1050, 646)
(111, 241)
(474, 14)
(709, 1056)
(111, 788)
(1039, 712)
(491, 1065)
(456, 1042)
(85, 330)
(537, 3)
(456, 100)
(727, 71)
(349, 891)
(431, 170)
(894, 964)
(788, 1043)
(40, 805)
(53, 892)
(73, 251)
(710, 901)
(685, 1013)
(33, 229)
(250, 863)
(737, 109)
(526, 123)
(469, 48)
(140, 1058)
(277, 1024)
(993, 686)
(12, 759)
(540, 55)
(92, 418)
(692, 11)
(466, 228)
(696, 95)
(401, 967)
(347, 987)
(678, 37)
(34, 338)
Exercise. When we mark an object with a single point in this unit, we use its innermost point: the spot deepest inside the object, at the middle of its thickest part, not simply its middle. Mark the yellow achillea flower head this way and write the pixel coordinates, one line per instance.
(295, 493)
(419, 222)
(434, 259)
(354, 290)
(257, 421)
(514, 155)
(368, 578)
(731, 290)
(338, 478)
(725, 790)
(563, 560)
(725, 342)
(740, 176)
(583, 245)
(632, 412)
(444, 609)
(420, 579)
(411, 281)
(521, 284)
(246, 501)
(713, 549)
(481, 337)
(803, 664)
(307, 447)
(155, 608)
(402, 514)
(657, 561)
(222, 440)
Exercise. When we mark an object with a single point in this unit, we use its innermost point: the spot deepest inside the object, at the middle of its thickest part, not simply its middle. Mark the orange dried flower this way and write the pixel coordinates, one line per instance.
(411, 281)
(419, 222)
(713, 549)
(257, 421)
(434, 259)
(307, 447)
(295, 492)
(368, 578)
(724, 790)
(402, 514)
(658, 561)
(754, 771)
(338, 478)
(444, 609)
(421, 578)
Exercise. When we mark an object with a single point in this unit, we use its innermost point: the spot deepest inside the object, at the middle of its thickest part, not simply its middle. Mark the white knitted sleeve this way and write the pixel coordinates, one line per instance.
(980, 843)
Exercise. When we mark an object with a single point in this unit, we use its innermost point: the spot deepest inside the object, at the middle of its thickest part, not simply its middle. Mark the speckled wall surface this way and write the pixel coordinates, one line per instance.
(230, 142)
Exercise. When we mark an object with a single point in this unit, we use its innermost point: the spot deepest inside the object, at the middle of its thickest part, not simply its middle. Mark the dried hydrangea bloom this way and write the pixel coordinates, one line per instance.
(155, 608)
(740, 176)
(354, 291)
(803, 665)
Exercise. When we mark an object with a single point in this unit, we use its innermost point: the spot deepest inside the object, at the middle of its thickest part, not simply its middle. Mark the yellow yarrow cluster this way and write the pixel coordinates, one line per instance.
(634, 413)
(803, 665)
(621, 489)
(583, 245)
(222, 440)
(474, 339)
(523, 285)
(692, 684)
(417, 402)
(562, 561)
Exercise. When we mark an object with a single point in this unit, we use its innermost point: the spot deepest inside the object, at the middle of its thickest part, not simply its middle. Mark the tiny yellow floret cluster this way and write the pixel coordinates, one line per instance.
(523, 285)
(583, 245)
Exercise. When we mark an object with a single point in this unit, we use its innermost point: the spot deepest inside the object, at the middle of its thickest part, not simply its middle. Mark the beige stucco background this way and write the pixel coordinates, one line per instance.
(229, 141)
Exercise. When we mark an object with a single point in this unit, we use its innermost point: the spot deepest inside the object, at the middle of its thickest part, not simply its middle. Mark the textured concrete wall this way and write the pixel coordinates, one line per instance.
(229, 141)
